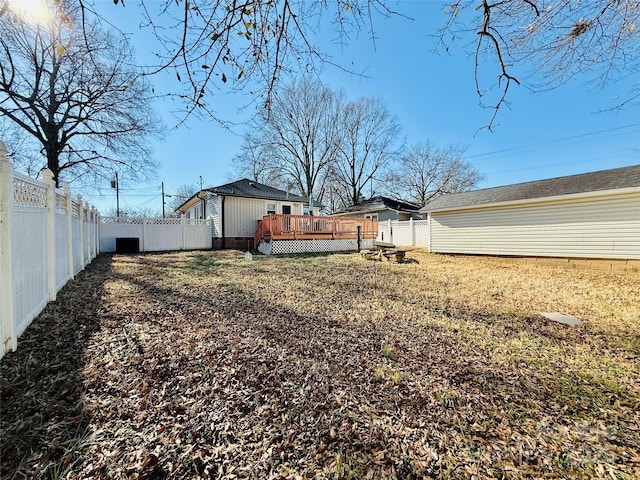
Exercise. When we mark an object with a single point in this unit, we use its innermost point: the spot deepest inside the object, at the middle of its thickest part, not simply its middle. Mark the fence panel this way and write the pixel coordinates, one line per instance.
(29, 261)
(404, 233)
(421, 235)
(156, 234)
(37, 244)
(61, 251)
(76, 239)
(197, 236)
(161, 234)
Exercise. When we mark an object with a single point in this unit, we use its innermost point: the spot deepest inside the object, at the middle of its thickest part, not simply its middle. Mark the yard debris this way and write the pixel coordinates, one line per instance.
(562, 318)
(195, 365)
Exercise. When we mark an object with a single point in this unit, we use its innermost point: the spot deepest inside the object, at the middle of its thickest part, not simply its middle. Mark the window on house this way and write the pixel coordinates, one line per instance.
(271, 208)
(286, 209)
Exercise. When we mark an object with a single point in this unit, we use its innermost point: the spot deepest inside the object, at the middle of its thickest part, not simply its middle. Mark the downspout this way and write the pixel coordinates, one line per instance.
(222, 197)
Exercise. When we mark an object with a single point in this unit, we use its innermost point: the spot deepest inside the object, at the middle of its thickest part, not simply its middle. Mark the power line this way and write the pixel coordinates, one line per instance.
(551, 165)
(552, 142)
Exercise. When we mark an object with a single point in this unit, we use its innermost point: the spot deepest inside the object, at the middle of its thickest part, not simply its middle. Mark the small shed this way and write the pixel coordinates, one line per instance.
(590, 215)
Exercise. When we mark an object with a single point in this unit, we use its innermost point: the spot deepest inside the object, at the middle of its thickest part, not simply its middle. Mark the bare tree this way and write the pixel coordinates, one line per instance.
(301, 131)
(182, 194)
(561, 40)
(248, 44)
(256, 43)
(369, 140)
(75, 93)
(255, 161)
(425, 171)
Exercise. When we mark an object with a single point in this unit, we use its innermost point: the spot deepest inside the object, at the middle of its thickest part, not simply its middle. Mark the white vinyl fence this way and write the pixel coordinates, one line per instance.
(408, 233)
(46, 237)
(156, 234)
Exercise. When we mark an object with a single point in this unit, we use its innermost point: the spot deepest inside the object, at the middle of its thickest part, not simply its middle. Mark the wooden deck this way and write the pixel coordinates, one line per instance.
(307, 227)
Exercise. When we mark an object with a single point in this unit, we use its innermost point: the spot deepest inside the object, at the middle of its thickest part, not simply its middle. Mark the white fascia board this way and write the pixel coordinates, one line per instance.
(555, 198)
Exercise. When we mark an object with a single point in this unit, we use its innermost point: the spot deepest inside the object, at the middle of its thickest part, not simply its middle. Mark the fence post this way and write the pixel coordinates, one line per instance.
(91, 232)
(183, 223)
(97, 227)
(412, 226)
(47, 175)
(144, 234)
(94, 232)
(94, 229)
(7, 325)
(90, 238)
(429, 232)
(67, 194)
(81, 237)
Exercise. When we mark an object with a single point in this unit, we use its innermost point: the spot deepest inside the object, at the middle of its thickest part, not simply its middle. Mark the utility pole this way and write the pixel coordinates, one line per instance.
(162, 199)
(114, 184)
(203, 198)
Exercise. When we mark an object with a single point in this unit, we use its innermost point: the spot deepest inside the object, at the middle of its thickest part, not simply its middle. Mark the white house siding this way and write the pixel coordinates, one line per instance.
(213, 213)
(593, 227)
(241, 215)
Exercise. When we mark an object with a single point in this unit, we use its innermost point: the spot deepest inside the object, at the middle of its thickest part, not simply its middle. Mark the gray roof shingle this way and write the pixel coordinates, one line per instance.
(380, 202)
(615, 178)
(251, 189)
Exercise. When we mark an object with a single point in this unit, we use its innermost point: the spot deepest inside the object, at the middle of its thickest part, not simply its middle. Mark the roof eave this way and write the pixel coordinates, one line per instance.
(553, 198)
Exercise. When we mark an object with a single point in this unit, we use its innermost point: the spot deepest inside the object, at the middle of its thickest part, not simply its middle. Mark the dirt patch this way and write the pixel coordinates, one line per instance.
(202, 365)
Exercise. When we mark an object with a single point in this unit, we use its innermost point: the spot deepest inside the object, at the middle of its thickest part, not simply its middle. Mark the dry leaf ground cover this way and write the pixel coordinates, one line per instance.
(198, 364)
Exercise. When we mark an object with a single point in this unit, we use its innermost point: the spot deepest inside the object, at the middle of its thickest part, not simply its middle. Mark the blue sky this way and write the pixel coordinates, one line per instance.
(564, 131)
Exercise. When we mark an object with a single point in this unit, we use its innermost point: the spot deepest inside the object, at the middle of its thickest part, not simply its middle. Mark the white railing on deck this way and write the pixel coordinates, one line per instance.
(46, 237)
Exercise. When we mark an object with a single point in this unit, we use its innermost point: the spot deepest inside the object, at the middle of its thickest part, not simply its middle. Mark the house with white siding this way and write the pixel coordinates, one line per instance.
(590, 215)
(235, 209)
(381, 208)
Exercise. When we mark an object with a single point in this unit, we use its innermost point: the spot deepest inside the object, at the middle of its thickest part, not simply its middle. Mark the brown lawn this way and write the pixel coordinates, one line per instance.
(200, 364)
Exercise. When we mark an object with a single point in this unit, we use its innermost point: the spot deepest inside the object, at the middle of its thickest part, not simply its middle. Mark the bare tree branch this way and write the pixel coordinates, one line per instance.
(75, 95)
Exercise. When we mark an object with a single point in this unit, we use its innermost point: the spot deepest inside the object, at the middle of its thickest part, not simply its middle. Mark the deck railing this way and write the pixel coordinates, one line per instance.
(298, 227)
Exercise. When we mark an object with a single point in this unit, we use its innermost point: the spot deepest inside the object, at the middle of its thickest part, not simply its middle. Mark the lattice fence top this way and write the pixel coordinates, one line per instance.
(152, 221)
(195, 221)
(28, 192)
(164, 221)
(123, 220)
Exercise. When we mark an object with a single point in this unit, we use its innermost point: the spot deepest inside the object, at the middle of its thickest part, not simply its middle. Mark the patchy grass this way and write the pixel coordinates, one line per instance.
(201, 365)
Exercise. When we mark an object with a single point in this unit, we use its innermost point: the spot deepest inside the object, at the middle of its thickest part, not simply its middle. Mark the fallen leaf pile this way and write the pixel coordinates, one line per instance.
(202, 365)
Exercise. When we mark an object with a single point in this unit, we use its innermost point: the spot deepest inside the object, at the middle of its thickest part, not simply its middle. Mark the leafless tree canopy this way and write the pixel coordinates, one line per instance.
(559, 40)
(426, 171)
(316, 141)
(299, 135)
(245, 45)
(254, 44)
(255, 161)
(182, 194)
(369, 139)
(75, 93)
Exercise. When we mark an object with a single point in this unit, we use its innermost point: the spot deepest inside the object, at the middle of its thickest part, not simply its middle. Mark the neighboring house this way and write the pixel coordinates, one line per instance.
(236, 207)
(381, 208)
(591, 215)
